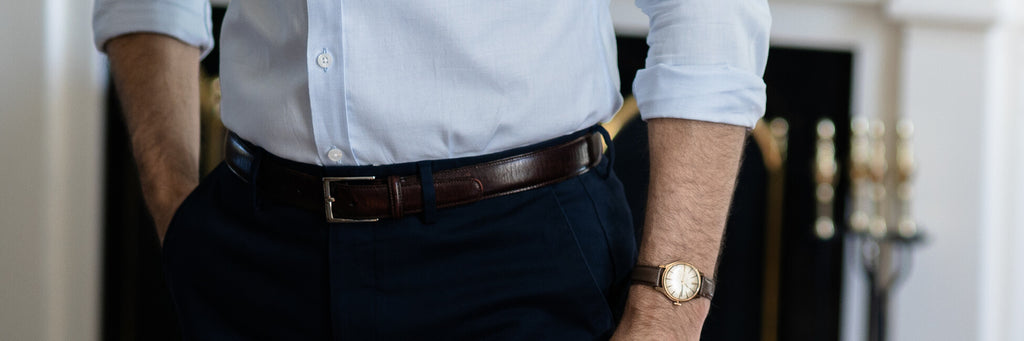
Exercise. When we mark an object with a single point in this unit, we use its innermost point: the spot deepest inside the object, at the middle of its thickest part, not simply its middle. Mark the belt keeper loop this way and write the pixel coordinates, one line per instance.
(395, 196)
(611, 150)
(429, 192)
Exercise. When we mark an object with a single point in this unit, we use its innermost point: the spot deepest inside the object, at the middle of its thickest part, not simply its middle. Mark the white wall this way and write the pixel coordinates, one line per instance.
(944, 93)
(50, 142)
(960, 82)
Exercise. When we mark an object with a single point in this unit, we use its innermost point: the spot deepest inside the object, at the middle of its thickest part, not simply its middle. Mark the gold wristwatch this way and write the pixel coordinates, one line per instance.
(679, 281)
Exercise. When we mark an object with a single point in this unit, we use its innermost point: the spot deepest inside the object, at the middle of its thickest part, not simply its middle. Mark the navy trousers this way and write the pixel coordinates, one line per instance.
(550, 263)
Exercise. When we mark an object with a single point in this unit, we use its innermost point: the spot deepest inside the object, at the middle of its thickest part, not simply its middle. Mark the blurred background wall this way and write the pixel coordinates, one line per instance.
(51, 86)
(954, 67)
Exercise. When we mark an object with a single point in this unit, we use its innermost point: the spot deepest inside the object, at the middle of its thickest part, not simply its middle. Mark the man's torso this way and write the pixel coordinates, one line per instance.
(361, 82)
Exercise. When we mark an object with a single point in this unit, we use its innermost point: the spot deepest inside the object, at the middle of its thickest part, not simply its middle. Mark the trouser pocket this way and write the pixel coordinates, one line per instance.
(598, 217)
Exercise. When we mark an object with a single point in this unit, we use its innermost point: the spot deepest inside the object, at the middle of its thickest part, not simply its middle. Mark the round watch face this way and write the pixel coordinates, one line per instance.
(681, 281)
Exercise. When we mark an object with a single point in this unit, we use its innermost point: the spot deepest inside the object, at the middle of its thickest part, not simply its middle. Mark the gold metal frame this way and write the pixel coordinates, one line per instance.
(663, 287)
(625, 114)
(772, 138)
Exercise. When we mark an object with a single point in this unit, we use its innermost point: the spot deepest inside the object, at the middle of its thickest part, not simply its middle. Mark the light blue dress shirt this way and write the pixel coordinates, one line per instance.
(358, 82)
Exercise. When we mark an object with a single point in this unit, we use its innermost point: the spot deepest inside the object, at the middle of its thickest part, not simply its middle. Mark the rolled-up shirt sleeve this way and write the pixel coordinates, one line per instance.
(186, 20)
(706, 60)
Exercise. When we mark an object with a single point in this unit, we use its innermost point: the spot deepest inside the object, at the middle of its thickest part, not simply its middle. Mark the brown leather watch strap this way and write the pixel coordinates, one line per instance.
(707, 287)
(648, 275)
(651, 275)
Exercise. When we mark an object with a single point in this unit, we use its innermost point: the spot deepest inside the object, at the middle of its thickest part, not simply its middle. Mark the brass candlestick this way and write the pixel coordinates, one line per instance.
(885, 249)
(825, 169)
(860, 180)
(905, 166)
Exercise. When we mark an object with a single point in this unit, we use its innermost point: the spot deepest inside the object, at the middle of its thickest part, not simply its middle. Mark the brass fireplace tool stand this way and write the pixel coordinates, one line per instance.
(880, 222)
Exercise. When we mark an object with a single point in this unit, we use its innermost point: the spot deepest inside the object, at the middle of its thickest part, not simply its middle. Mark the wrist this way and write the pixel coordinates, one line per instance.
(649, 315)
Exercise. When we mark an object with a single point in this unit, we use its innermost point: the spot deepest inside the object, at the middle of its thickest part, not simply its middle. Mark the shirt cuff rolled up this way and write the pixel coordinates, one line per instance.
(720, 94)
(187, 21)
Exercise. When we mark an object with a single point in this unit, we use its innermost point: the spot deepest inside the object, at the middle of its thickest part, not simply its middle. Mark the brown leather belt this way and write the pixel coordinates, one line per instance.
(371, 198)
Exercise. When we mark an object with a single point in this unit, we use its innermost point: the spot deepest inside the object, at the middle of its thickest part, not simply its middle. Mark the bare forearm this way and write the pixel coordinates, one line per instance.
(157, 82)
(693, 173)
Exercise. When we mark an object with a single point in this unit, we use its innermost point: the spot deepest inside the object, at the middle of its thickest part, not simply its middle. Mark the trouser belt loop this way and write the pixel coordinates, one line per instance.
(395, 194)
(429, 196)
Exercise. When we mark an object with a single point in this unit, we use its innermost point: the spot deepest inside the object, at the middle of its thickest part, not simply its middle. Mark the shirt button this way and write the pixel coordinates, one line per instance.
(334, 154)
(324, 60)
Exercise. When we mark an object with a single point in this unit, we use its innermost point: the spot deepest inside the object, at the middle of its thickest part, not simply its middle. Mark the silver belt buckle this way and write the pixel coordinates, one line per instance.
(329, 200)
